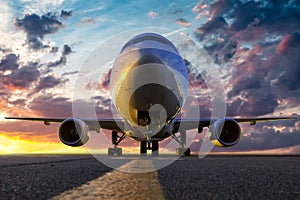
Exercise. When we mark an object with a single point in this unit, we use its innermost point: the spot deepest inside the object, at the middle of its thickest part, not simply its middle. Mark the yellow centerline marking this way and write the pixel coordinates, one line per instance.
(121, 185)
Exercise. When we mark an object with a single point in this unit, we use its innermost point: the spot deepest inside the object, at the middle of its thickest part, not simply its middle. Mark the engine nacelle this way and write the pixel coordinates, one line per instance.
(73, 132)
(225, 133)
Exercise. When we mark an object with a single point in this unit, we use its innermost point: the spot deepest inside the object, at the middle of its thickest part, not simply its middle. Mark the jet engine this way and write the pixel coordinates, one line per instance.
(225, 132)
(73, 132)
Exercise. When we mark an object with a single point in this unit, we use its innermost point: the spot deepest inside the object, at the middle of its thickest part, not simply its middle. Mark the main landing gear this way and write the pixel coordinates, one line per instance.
(153, 145)
(182, 141)
(115, 139)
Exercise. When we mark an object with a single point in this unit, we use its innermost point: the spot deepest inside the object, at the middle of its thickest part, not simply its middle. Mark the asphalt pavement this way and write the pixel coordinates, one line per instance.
(213, 177)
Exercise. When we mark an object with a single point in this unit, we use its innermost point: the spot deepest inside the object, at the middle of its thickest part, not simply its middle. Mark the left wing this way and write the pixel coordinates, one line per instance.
(110, 124)
(188, 124)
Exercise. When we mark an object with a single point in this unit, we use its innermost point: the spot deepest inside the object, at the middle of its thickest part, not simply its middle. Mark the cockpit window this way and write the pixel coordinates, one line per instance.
(144, 37)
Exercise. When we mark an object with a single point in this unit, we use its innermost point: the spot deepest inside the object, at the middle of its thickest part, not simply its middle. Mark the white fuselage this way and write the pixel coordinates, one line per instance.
(148, 86)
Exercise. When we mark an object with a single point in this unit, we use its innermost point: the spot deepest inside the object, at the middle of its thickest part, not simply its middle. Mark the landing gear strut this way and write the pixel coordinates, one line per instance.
(182, 141)
(145, 145)
(115, 139)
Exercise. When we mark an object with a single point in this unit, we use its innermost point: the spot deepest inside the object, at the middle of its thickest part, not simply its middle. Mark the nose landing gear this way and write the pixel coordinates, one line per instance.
(151, 145)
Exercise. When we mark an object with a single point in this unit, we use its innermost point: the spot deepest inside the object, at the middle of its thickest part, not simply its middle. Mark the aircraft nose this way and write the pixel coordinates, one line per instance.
(145, 97)
(147, 82)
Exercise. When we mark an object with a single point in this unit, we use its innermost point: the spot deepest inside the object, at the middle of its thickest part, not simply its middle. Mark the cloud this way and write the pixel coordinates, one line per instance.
(259, 42)
(63, 107)
(183, 22)
(48, 82)
(49, 106)
(66, 14)
(152, 14)
(9, 62)
(36, 27)
(258, 102)
(263, 136)
(66, 50)
(270, 139)
(39, 26)
(19, 102)
(4, 49)
(62, 61)
(219, 7)
(247, 21)
(35, 42)
(106, 80)
(174, 9)
(22, 77)
(70, 73)
(289, 41)
(284, 71)
(54, 49)
(211, 26)
(241, 83)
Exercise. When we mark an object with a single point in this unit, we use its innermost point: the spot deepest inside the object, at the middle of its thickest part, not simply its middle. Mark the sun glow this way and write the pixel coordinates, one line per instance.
(9, 145)
(2, 116)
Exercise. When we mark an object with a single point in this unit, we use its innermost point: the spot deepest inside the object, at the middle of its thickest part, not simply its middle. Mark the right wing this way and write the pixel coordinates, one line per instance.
(188, 124)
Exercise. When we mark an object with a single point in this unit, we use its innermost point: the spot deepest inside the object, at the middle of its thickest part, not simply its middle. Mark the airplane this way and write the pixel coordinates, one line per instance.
(148, 86)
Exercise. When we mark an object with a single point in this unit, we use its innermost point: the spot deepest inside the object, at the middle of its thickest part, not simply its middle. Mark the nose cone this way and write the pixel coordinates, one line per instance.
(149, 96)
(145, 97)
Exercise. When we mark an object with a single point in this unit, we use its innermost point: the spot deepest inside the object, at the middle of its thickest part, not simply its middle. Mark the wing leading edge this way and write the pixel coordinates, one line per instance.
(188, 124)
(179, 124)
(109, 124)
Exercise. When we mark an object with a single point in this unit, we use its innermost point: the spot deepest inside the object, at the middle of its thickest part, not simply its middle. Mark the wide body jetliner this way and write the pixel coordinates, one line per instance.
(149, 84)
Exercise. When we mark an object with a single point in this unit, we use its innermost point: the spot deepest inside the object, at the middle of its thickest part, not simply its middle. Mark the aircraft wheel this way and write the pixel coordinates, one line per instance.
(143, 148)
(119, 151)
(111, 151)
(183, 152)
(155, 148)
(115, 151)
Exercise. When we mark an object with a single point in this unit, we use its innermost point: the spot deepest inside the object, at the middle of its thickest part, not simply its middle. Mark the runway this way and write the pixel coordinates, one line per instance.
(213, 177)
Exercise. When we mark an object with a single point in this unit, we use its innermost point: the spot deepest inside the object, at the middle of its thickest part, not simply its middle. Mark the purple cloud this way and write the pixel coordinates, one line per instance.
(36, 27)
(48, 82)
(9, 62)
(22, 77)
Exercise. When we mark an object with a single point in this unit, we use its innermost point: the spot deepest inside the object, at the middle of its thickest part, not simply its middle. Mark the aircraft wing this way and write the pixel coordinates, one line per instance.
(179, 124)
(109, 124)
(188, 124)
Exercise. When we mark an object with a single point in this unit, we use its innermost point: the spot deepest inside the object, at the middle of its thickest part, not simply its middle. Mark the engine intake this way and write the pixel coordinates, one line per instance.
(225, 132)
(73, 132)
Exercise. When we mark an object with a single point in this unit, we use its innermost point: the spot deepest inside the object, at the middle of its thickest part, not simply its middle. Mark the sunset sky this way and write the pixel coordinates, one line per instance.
(43, 44)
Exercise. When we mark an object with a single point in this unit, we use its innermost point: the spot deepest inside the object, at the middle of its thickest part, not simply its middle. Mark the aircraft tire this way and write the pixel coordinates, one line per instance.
(183, 152)
(143, 148)
(155, 148)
